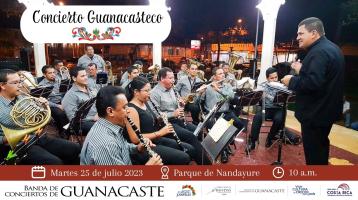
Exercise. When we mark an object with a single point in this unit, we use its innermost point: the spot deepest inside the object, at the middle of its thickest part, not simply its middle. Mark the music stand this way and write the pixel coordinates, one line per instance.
(76, 121)
(213, 148)
(248, 98)
(65, 85)
(201, 125)
(41, 92)
(281, 98)
(102, 78)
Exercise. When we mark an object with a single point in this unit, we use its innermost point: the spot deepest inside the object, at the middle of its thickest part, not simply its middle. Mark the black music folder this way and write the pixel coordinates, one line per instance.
(65, 85)
(41, 92)
(214, 148)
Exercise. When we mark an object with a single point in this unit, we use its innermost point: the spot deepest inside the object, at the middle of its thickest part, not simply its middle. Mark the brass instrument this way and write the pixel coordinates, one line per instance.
(28, 81)
(194, 62)
(233, 58)
(200, 75)
(65, 73)
(190, 98)
(154, 68)
(31, 115)
(110, 73)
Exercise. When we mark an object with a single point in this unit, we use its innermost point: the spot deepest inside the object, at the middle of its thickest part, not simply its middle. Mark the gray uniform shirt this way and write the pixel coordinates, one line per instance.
(84, 60)
(211, 97)
(185, 85)
(164, 99)
(55, 96)
(74, 97)
(105, 145)
(5, 120)
(181, 74)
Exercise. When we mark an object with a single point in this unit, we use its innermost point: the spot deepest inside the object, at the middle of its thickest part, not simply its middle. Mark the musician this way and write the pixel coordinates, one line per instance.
(58, 64)
(272, 111)
(47, 150)
(92, 76)
(218, 91)
(164, 97)
(105, 144)
(91, 57)
(186, 86)
(138, 64)
(79, 93)
(319, 89)
(183, 70)
(132, 73)
(57, 111)
(229, 77)
(144, 117)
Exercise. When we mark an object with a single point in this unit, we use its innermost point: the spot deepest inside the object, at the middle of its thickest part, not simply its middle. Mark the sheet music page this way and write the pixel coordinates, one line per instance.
(219, 129)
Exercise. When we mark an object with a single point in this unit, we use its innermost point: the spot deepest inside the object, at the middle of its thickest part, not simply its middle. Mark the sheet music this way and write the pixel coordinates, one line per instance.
(219, 129)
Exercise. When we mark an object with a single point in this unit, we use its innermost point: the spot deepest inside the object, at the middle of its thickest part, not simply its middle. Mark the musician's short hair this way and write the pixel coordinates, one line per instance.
(4, 73)
(131, 69)
(138, 62)
(162, 74)
(56, 62)
(88, 47)
(137, 83)
(74, 71)
(313, 23)
(270, 70)
(106, 97)
(225, 64)
(45, 67)
(215, 69)
(92, 64)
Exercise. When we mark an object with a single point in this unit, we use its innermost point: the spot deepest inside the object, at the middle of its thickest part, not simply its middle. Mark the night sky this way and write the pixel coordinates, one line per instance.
(193, 17)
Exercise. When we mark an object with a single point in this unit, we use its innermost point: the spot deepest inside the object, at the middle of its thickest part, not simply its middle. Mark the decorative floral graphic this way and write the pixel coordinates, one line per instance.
(189, 187)
(83, 34)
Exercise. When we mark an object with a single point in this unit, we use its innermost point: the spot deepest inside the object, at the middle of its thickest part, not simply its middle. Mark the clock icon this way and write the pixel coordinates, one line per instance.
(278, 172)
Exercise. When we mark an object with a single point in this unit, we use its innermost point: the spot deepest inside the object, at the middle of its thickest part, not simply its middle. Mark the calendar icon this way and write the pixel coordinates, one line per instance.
(38, 172)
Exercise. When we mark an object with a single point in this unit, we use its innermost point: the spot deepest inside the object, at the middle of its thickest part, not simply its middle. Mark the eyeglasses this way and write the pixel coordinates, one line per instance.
(147, 90)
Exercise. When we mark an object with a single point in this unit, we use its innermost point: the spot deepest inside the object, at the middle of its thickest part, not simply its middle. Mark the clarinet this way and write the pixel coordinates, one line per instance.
(141, 138)
(166, 122)
(179, 106)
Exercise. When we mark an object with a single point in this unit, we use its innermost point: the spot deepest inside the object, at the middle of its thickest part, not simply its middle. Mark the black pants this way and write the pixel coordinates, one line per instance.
(276, 114)
(52, 151)
(168, 150)
(194, 110)
(185, 133)
(315, 143)
(60, 117)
